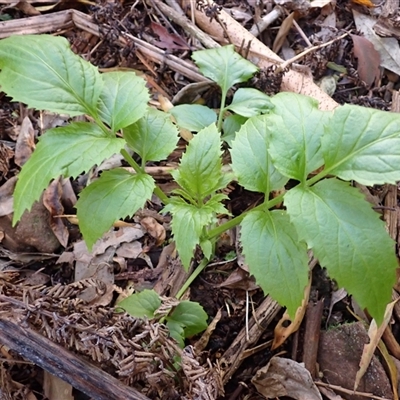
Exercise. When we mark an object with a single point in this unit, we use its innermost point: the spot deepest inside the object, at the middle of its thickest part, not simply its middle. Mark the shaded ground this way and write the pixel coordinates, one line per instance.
(58, 290)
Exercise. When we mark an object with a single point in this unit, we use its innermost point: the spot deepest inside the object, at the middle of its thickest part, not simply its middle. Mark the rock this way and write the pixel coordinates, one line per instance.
(339, 356)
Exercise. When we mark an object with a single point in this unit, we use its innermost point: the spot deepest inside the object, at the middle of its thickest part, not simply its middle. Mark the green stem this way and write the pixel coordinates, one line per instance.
(132, 162)
(317, 177)
(161, 195)
(221, 112)
(157, 190)
(237, 220)
(221, 229)
(192, 277)
(95, 115)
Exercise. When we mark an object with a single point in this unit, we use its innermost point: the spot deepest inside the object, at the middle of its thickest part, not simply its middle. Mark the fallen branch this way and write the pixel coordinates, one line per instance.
(62, 363)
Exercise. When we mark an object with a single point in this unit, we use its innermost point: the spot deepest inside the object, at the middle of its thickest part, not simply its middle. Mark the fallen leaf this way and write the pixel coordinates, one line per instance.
(285, 377)
(33, 278)
(25, 142)
(117, 237)
(240, 279)
(337, 296)
(130, 250)
(27, 9)
(368, 58)
(55, 388)
(281, 331)
(388, 48)
(154, 229)
(34, 229)
(68, 196)
(375, 334)
(6, 154)
(6, 196)
(202, 343)
(168, 40)
(52, 201)
(282, 33)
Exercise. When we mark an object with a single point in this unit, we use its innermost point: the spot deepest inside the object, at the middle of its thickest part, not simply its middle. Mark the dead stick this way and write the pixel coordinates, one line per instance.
(55, 359)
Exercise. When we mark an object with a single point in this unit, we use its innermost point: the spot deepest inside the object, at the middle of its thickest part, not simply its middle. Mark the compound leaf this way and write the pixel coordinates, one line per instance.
(66, 151)
(363, 144)
(153, 136)
(251, 161)
(348, 238)
(224, 66)
(123, 99)
(43, 72)
(276, 257)
(249, 102)
(200, 169)
(141, 305)
(116, 194)
(193, 117)
(296, 127)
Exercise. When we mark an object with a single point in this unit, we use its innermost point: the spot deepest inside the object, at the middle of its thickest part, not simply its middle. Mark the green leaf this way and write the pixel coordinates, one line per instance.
(250, 102)
(200, 172)
(207, 247)
(348, 238)
(177, 332)
(43, 72)
(363, 144)
(116, 194)
(191, 316)
(66, 151)
(276, 257)
(193, 117)
(296, 126)
(153, 137)
(251, 161)
(142, 304)
(123, 99)
(187, 226)
(230, 126)
(224, 66)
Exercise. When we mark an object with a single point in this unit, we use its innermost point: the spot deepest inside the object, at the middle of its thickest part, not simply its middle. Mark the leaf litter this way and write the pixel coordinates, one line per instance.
(358, 80)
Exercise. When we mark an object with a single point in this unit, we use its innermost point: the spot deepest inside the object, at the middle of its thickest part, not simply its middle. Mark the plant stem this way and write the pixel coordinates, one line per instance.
(237, 220)
(157, 190)
(132, 162)
(192, 277)
(317, 177)
(161, 195)
(221, 112)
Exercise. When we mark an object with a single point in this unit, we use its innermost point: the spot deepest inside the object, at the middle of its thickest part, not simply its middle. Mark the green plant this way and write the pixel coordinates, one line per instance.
(183, 319)
(285, 137)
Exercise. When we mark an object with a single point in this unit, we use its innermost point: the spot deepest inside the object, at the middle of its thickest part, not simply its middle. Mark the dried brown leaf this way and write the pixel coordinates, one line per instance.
(369, 60)
(283, 32)
(6, 196)
(6, 153)
(154, 229)
(25, 142)
(375, 334)
(285, 377)
(281, 331)
(168, 40)
(240, 279)
(52, 201)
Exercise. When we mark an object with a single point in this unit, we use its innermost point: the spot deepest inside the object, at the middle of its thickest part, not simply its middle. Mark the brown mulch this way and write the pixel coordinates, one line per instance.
(41, 303)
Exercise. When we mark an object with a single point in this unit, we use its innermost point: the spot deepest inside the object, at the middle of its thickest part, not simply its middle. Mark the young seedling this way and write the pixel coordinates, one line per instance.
(280, 138)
